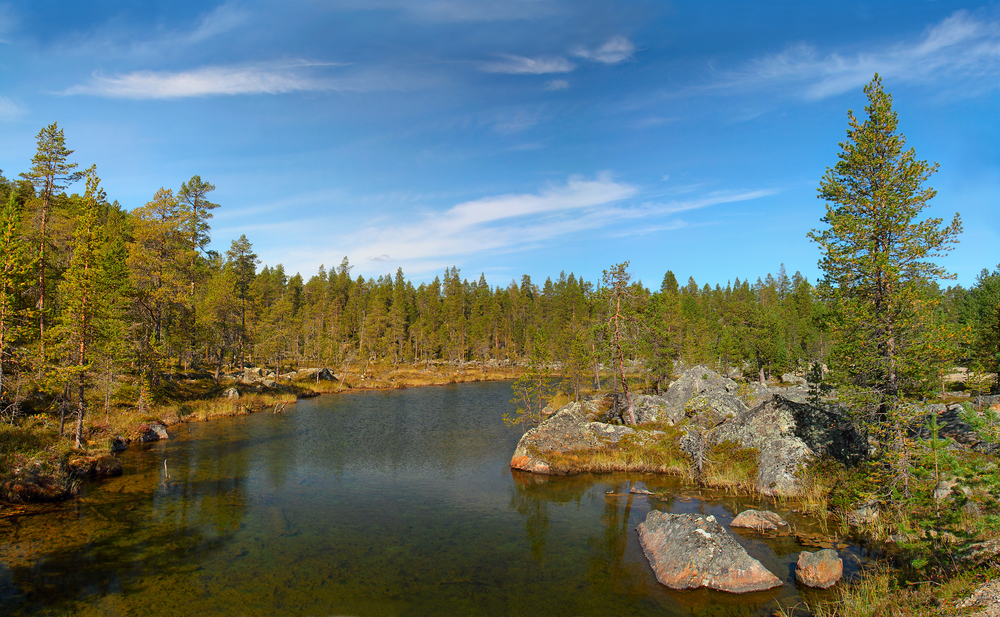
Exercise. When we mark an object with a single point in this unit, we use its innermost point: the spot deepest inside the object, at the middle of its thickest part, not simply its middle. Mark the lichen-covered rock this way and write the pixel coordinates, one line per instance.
(567, 430)
(231, 393)
(713, 408)
(692, 382)
(759, 520)
(787, 434)
(688, 551)
(821, 569)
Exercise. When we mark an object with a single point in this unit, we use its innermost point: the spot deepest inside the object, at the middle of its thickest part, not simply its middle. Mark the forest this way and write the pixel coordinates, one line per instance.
(100, 302)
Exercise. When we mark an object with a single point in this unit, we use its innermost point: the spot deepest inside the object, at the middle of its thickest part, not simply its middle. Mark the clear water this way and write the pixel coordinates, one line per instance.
(379, 503)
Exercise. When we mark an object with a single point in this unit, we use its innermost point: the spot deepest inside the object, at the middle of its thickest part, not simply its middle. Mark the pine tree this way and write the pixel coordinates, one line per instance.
(49, 173)
(877, 261)
(876, 251)
(243, 262)
(80, 294)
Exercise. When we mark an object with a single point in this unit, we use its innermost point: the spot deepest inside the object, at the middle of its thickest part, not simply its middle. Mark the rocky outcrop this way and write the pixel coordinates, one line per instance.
(688, 551)
(787, 434)
(760, 520)
(566, 431)
(695, 381)
(821, 569)
(231, 393)
(713, 408)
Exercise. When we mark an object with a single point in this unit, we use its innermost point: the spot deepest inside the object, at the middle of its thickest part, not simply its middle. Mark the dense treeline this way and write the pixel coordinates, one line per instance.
(98, 302)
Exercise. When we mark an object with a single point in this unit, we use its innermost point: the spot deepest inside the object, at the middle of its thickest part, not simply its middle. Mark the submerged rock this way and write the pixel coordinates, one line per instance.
(688, 551)
(759, 520)
(821, 569)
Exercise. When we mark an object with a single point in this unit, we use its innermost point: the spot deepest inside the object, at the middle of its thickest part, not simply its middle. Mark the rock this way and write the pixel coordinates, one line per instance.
(863, 515)
(688, 551)
(322, 374)
(269, 383)
(713, 408)
(787, 434)
(821, 569)
(154, 431)
(759, 520)
(695, 381)
(231, 393)
(108, 466)
(648, 408)
(567, 430)
(104, 466)
(794, 379)
(119, 444)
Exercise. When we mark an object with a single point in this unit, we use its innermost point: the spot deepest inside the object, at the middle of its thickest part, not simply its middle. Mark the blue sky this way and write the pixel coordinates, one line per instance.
(508, 137)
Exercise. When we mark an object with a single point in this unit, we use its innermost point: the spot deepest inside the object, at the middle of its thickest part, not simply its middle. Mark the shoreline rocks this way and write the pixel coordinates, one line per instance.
(821, 569)
(759, 520)
(687, 551)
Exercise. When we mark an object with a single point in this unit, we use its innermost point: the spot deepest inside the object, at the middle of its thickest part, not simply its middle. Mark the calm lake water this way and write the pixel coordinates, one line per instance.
(379, 503)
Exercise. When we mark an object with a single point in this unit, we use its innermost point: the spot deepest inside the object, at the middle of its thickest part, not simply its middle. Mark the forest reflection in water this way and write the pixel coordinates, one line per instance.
(387, 503)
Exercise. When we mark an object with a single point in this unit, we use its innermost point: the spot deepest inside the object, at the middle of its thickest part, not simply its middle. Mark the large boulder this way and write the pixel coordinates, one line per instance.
(688, 551)
(787, 434)
(713, 408)
(566, 431)
(695, 381)
(821, 569)
(649, 408)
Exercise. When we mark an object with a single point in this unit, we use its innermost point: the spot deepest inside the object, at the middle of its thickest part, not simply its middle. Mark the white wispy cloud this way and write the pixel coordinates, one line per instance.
(557, 84)
(224, 18)
(8, 110)
(205, 81)
(270, 78)
(528, 66)
(616, 50)
(961, 48)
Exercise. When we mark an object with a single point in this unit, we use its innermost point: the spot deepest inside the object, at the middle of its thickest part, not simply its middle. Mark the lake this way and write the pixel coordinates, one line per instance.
(374, 503)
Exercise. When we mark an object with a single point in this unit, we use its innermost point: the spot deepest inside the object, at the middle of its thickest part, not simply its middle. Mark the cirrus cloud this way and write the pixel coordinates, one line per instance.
(522, 65)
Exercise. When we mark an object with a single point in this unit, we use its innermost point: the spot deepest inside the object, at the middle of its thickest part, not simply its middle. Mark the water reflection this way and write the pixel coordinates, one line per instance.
(370, 504)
